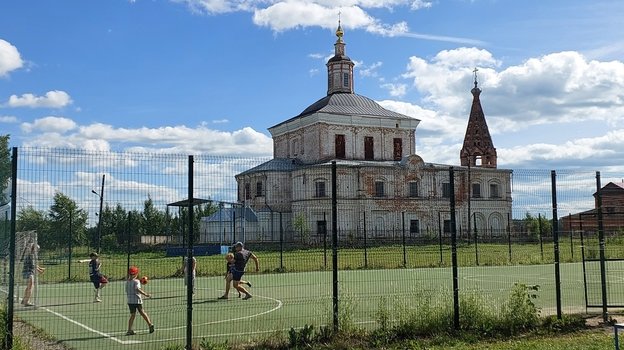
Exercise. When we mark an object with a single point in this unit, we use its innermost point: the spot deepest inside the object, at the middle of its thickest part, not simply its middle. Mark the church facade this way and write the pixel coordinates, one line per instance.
(383, 187)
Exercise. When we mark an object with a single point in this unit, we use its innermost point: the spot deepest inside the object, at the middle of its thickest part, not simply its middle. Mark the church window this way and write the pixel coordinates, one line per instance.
(319, 189)
(345, 80)
(413, 189)
(414, 227)
(446, 190)
(339, 142)
(379, 189)
(259, 189)
(494, 193)
(476, 190)
(247, 191)
(369, 153)
(398, 149)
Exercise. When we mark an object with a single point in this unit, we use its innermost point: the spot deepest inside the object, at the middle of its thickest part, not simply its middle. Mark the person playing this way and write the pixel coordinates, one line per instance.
(28, 271)
(135, 300)
(241, 257)
(229, 257)
(185, 268)
(99, 281)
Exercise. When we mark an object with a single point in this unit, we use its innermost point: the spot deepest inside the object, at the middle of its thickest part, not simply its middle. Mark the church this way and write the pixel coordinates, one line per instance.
(384, 189)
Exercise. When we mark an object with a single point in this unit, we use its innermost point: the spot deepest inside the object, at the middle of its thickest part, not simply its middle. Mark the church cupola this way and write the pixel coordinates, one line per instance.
(339, 68)
(478, 149)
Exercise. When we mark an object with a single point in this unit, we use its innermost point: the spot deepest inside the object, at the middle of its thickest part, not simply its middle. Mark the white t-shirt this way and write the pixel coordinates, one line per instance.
(132, 291)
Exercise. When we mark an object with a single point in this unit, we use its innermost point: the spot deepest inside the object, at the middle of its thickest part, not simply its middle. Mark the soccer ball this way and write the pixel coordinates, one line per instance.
(144, 280)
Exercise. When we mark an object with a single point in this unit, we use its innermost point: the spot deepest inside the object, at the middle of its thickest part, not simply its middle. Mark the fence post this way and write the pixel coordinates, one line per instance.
(189, 261)
(8, 339)
(509, 237)
(404, 252)
(583, 259)
(281, 243)
(539, 225)
(476, 235)
(454, 251)
(571, 238)
(601, 239)
(334, 246)
(366, 248)
(555, 228)
(69, 254)
(325, 242)
(440, 235)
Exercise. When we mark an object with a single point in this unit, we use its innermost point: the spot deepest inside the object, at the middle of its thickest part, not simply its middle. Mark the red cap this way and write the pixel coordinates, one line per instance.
(133, 270)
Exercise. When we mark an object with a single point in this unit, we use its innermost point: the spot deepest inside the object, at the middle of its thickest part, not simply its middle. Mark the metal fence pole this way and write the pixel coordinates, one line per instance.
(476, 238)
(540, 228)
(440, 235)
(8, 339)
(509, 236)
(325, 241)
(281, 242)
(334, 246)
(555, 228)
(189, 261)
(583, 259)
(69, 255)
(404, 252)
(601, 239)
(454, 251)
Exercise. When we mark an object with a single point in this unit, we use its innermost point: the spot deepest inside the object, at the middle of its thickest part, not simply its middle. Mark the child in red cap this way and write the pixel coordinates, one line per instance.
(135, 300)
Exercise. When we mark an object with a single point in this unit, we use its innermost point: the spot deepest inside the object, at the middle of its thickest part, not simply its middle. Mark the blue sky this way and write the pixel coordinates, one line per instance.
(210, 76)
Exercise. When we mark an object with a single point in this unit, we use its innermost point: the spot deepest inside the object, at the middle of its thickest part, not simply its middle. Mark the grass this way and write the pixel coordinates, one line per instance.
(315, 259)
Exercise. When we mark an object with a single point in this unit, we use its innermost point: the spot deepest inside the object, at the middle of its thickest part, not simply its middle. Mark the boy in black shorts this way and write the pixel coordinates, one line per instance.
(135, 300)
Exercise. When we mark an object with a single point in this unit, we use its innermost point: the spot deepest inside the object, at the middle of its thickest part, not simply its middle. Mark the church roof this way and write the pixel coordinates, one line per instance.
(275, 164)
(348, 105)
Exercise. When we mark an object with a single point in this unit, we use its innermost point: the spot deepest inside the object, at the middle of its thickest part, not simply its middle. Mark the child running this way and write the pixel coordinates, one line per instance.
(135, 300)
(99, 281)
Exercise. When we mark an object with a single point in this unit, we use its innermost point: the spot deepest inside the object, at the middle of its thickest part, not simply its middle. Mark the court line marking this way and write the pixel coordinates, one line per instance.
(123, 342)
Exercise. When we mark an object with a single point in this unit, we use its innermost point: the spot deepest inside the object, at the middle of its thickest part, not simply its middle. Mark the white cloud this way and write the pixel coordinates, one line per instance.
(49, 124)
(8, 119)
(420, 4)
(395, 90)
(10, 58)
(52, 99)
(369, 71)
(221, 121)
(64, 133)
(556, 95)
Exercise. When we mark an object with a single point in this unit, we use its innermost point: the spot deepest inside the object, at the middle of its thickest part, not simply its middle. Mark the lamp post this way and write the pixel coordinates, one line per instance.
(99, 228)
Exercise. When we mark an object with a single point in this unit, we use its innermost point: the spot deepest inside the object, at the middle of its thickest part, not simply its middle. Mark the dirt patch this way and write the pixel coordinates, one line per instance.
(34, 339)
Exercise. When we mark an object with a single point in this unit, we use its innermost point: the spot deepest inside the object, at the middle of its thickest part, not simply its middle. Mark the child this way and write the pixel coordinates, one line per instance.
(98, 280)
(135, 301)
(28, 271)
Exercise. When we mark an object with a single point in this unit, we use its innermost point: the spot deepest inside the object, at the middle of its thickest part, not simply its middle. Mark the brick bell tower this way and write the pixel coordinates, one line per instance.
(478, 149)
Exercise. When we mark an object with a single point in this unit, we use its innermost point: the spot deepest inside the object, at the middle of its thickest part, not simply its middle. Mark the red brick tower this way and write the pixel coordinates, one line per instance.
(478, 149)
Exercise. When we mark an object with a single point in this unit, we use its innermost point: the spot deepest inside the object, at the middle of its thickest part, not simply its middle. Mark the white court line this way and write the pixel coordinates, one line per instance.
(123, 342)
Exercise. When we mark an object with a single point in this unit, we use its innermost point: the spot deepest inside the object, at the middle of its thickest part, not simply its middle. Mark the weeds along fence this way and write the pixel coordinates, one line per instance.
(341, 245)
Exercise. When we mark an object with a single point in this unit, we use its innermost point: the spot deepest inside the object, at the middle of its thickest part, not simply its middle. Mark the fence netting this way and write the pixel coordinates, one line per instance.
(81, 214)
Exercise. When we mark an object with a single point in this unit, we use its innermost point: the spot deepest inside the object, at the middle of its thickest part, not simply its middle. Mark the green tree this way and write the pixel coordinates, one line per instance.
(301, 225)
(5, 167)
(532, 225)
(30, 219)
(152, 220)
(62, 210)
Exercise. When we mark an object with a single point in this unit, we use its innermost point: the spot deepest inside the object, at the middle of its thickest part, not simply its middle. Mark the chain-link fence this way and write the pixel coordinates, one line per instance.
(334, 244)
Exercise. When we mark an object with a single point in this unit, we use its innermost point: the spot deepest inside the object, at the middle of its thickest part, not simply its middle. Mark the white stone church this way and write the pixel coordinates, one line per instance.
(383, 187)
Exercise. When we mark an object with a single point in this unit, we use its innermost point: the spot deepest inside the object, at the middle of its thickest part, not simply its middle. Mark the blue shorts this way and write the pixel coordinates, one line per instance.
(237, 275)
(28, 274)
(96, 279)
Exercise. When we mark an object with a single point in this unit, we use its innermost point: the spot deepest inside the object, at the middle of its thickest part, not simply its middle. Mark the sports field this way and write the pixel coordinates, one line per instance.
(280, 301)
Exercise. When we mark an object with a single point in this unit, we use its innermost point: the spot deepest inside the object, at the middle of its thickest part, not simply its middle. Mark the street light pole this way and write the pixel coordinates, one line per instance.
(101, 195)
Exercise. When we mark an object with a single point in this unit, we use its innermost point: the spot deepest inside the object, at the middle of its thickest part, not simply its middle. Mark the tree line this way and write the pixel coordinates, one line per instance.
(65, 222)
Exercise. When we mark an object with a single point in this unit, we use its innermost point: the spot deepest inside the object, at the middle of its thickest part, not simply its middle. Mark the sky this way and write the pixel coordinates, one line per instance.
(211, 76)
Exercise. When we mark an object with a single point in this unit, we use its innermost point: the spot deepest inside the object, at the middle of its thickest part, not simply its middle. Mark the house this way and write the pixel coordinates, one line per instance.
(612, 197)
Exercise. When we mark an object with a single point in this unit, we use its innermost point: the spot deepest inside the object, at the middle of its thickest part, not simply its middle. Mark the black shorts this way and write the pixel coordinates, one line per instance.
(134, 307)
(96, 279)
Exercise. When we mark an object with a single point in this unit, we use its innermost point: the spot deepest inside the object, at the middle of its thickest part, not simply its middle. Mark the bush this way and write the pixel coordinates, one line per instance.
(567, 323)
(519, 313)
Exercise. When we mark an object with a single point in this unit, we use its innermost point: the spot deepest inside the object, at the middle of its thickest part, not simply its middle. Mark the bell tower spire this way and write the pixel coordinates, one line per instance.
(478, 149)
(339, 67)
